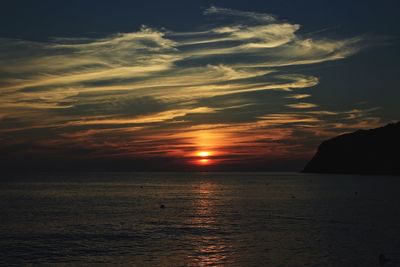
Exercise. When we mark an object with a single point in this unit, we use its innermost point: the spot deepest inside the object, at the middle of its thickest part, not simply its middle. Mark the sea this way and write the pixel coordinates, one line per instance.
(199, 219)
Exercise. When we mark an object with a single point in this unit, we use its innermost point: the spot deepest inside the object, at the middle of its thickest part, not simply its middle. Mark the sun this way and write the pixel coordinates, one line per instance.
(203, 154)
(204, 161)
(204, 157)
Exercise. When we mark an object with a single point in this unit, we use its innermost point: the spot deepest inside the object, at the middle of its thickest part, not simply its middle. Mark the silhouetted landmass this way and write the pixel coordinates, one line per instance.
(375, 151)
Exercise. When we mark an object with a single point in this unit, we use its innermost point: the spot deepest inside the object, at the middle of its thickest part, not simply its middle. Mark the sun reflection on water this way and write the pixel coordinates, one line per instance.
(209, 248)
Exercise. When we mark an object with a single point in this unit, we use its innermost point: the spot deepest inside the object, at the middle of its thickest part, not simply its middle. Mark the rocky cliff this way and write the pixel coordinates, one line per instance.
(375, 151)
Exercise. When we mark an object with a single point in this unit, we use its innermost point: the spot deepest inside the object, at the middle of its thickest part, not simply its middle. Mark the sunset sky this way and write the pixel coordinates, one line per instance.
(182, 85)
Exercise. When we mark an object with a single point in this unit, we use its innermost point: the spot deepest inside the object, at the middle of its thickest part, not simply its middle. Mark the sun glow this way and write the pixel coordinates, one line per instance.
(203, 154)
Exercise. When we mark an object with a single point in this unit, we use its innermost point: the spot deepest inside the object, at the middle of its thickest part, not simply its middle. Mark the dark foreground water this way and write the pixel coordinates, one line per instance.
(209, 219)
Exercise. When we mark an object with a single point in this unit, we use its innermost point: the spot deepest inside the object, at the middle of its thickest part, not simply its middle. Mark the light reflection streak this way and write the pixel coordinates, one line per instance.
(209, 248)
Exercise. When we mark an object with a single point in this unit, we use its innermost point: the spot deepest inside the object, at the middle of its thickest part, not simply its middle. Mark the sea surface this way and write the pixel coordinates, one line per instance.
(198, 219)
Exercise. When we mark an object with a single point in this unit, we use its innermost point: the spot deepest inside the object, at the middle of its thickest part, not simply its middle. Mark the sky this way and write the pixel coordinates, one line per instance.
(191, 85)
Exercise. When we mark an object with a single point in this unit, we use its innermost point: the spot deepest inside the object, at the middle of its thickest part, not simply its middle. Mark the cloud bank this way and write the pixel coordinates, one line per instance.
(232, 88)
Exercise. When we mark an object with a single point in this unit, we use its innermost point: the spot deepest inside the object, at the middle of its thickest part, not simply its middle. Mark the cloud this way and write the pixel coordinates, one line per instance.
(302, 105)
(259, 17)
(160, 92)
(145, 119)
(298, 96)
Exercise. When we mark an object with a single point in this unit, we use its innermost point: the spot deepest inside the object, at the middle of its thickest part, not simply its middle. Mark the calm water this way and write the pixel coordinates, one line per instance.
(209, 219)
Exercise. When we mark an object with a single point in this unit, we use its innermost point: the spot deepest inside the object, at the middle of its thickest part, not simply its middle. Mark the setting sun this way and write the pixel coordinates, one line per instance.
(203, 154)
(204, 157)
(204, 161)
